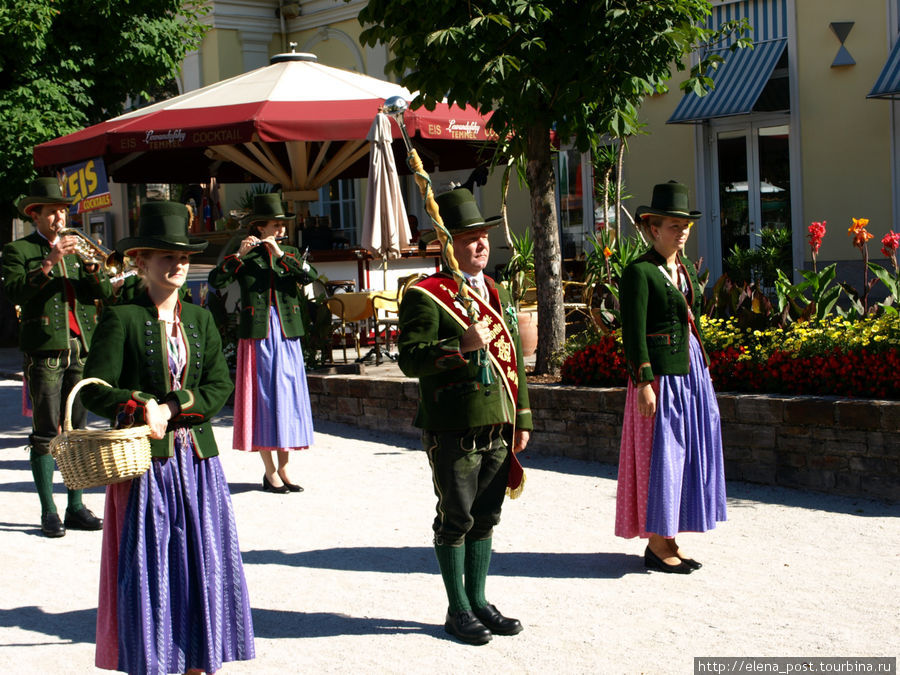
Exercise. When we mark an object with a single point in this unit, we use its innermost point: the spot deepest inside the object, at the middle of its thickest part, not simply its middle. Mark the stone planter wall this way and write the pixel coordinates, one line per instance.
(839, 446)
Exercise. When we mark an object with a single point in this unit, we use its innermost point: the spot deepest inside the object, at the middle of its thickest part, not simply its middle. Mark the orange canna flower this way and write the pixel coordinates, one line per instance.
(607, 252)
(859, 232)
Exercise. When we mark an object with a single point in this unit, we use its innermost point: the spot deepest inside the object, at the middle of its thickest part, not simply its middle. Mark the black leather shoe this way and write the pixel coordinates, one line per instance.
(51, 525)
(83, 519)
(268, 487)
(654, 562)
(496, 622)
(292, 487)
(465, 626)
(690, 562)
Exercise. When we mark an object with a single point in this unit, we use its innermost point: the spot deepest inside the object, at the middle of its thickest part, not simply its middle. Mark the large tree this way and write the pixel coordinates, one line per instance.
(66, 64)
(580, 67)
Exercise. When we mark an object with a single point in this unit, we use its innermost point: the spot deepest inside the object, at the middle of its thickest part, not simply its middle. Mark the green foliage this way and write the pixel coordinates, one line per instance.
(67, 64)
(519, 271)
(821, 288)
(746, 304)
(605, 263)
(764, 263)
(581, 66)
(892, 283)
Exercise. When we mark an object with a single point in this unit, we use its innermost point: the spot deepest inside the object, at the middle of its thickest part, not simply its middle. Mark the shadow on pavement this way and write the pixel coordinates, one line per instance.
(750, 495)
(75, 626)
(272, 623)
(420, 560)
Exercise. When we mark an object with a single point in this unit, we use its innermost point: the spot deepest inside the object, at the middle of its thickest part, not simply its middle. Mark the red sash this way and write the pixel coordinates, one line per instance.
(501, 348)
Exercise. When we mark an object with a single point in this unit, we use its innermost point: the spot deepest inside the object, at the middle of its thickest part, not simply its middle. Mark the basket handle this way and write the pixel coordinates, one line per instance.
(70, 400)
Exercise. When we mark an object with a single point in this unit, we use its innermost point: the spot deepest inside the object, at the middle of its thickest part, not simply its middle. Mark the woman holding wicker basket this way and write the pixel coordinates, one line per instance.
(172, 592)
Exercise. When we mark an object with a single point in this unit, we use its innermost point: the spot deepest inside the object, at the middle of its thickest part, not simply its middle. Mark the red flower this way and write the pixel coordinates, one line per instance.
(816, 232)
(890, 243)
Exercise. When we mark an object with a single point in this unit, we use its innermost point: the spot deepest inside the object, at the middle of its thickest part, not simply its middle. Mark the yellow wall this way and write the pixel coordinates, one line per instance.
(665, 152)
(220, 56)
(845, 138)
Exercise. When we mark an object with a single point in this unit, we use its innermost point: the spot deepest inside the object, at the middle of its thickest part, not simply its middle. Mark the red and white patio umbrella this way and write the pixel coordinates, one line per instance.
(296, 123)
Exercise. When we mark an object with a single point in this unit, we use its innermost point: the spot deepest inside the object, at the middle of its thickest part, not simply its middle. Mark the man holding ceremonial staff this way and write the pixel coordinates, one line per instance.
(472, 421)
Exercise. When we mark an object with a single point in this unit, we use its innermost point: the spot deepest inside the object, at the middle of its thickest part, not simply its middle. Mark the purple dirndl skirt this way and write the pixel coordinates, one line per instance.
(271, 400)
(671, 470)
(687, 474)
(182, 598)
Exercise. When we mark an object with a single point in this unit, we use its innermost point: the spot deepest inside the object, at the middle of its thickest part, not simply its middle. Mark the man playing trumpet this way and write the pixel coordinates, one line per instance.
(55, 290)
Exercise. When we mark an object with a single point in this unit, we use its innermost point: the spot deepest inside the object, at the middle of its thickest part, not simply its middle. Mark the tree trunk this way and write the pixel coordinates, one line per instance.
(547, 259)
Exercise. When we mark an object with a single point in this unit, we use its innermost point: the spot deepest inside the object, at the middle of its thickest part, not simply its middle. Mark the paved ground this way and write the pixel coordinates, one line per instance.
(342, 577)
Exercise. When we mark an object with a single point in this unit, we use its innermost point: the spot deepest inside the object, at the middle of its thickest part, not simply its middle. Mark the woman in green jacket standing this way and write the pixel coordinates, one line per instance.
(173, 598)
(671, 476)
(271, 401)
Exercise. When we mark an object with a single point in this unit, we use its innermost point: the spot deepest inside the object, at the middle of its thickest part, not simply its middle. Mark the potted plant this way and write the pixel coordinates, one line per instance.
(519, 275)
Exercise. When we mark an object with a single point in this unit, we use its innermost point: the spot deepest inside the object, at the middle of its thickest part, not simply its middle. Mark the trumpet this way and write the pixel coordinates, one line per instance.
(86, 248)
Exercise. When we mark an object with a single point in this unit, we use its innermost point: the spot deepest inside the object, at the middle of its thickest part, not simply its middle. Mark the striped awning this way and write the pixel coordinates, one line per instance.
(888, 83)
(738, 82)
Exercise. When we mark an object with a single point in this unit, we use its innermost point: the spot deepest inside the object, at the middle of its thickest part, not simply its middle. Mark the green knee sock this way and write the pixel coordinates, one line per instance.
(477, 562)
(451, 561)
(42, 467)
(75, 502)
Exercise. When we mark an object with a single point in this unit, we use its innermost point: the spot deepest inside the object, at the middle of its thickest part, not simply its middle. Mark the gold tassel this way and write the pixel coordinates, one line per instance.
(516, 492)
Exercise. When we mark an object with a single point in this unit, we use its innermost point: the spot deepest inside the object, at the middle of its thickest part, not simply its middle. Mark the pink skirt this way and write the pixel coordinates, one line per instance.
(634, 467)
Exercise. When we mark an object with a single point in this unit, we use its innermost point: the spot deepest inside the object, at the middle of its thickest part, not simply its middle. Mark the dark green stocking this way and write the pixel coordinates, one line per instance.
(451, 560)
(42, 467)
(477, 562)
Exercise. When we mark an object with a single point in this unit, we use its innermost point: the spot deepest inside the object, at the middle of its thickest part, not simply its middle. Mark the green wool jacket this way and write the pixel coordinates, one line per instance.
(44, 320)
(131, 354)
(450, 396)
(655, 325)
(263, 280)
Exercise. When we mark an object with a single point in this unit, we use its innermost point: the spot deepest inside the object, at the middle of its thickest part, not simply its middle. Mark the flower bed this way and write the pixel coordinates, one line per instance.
(858, 359)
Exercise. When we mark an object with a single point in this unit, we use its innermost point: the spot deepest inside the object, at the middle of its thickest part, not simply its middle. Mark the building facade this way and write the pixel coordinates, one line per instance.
(796, 130)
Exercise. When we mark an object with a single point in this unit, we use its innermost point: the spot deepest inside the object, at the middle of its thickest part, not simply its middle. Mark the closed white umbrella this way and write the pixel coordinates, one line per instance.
(385, 227)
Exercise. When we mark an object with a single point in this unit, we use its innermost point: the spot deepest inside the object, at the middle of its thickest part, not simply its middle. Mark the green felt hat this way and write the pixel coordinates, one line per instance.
(268, 207)
(42, 191)
(163, 226)
(669, 199)
(460, 214)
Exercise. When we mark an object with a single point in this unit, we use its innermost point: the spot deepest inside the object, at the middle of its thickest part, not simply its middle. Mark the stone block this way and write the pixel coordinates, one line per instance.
(759, 473)
(791, 459)
(890, 417)
(868, 465)
(795, 439)
(315, 383)
(614, 399)
(808, 411)
(759, 409)
(336, 385)
(880, 487)
(828, 461)
(846, 448)
(727, 406)
(349, 406)
(847, 482)
(764, 457)
(858, 414)
(798, 477)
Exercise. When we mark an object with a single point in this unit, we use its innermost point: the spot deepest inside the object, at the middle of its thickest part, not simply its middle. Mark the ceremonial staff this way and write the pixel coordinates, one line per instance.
(394, 107)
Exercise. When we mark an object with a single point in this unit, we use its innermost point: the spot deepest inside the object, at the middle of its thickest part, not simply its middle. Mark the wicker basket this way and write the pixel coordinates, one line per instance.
(89, 457)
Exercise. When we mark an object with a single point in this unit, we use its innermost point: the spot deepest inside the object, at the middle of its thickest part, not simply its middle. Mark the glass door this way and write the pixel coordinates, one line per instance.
(751, 194)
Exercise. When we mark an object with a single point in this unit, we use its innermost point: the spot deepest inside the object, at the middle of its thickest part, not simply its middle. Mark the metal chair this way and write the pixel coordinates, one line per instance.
(390, 306)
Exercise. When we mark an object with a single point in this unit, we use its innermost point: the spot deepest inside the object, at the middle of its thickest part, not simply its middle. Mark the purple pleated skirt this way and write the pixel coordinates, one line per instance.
(671, 471)
(271, 399)
(178, 599)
